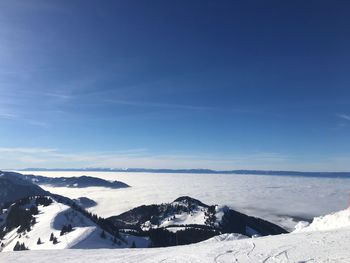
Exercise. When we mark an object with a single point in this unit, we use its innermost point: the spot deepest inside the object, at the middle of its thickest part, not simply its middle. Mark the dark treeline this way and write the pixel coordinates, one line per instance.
(161, 237)
(19, 247)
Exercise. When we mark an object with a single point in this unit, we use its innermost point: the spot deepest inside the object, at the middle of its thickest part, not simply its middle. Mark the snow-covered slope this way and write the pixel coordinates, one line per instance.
(336, 220)
(317, 246)
(225, 237)
(85, 234)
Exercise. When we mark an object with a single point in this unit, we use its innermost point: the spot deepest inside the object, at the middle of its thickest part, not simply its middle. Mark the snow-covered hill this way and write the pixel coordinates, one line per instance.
(186, 212)
(52, 218)
(336, 220)
(316, 246)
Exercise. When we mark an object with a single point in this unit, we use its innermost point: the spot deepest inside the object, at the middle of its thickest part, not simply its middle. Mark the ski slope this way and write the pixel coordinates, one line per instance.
(318, 246)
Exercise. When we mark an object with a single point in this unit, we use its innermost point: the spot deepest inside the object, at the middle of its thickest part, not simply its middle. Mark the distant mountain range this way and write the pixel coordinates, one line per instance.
(199, 171)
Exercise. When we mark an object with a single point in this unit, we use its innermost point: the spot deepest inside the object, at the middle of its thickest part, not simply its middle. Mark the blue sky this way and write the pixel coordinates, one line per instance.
(175, 84)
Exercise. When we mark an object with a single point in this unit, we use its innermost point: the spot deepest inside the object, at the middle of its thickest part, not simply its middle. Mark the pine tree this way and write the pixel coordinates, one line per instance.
(34, 210)
(22, 247)
(69, 228)
(17, 246)
(39, 241)
(63, 230)
(55, 241)
(51, 237)
(133, 245)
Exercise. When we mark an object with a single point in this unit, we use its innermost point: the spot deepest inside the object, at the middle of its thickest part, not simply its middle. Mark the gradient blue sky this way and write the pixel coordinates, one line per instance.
(175, 84)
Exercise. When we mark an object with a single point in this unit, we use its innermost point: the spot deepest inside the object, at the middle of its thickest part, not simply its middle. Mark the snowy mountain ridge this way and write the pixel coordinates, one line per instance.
(49, 222)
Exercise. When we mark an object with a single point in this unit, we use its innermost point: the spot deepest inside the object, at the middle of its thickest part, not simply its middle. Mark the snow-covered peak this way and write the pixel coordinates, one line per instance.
(182, 211)
(328, 222)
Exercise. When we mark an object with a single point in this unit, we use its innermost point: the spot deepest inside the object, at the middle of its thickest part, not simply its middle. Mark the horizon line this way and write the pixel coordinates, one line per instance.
(177, 170)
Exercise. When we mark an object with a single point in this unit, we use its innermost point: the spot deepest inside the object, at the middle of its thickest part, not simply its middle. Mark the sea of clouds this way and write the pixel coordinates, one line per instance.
(281, 199)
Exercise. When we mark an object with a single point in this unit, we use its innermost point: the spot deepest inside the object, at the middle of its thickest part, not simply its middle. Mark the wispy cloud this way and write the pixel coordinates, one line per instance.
(159, 105)
(26, 150)
(58, 95)
(7, 116)
(177, 106)
(343, 116)
(14, 117)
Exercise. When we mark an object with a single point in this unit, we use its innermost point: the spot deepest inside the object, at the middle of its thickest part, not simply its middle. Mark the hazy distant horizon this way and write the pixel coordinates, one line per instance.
(180, 170)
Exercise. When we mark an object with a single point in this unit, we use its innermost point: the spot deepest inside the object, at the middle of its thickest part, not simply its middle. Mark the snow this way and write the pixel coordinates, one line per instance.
(225, 237)
(50, 220)
(301, 225)
(219, 212)
(85, 234)
(336, 220)
(283, 200)
(197, 217)
(316, 246)
(175, 229)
